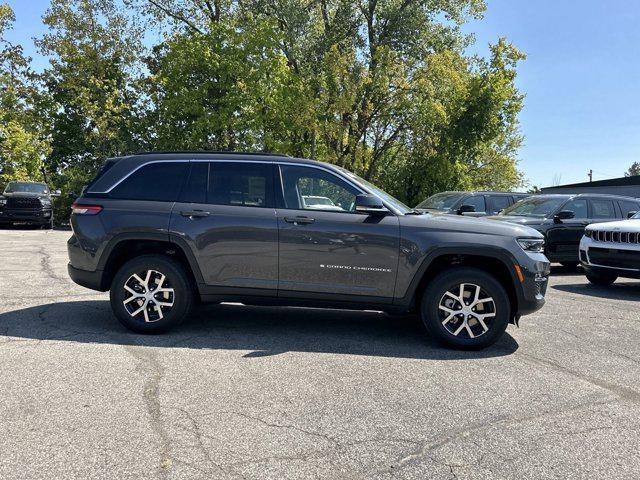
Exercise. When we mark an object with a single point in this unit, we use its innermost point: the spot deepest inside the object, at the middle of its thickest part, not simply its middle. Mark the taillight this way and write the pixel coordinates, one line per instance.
(86, 209)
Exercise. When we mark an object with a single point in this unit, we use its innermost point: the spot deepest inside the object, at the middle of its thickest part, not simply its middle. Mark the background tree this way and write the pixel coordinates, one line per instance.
(634, 170)
(22, 146)
(89, 95)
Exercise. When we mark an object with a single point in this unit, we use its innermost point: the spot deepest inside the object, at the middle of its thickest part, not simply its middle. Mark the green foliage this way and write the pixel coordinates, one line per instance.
(381, 87)
(634, 170)
(22, 147)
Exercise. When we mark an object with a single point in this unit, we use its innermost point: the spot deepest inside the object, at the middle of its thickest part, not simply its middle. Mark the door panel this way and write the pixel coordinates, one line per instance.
(345, 253)
(563, 239)
(235, 241)
(327, 248)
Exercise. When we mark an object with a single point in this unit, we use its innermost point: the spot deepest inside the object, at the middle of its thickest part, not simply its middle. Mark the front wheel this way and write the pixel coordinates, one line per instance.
(601, 279)
(465, 308)
(151, 294)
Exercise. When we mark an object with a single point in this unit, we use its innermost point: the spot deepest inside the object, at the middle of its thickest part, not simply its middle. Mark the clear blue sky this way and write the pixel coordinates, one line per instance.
(581, 80)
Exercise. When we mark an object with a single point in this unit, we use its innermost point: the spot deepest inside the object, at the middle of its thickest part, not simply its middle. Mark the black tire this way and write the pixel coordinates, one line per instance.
(176, 279)
(436, 292)
(602, 280)
(48, 225)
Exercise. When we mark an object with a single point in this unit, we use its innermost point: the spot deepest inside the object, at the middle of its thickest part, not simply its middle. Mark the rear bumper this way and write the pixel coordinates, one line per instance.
(8, 215)
(85, 278)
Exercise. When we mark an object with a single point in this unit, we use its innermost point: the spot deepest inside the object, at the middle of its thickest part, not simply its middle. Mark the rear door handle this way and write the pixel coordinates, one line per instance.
(195, 213)
(299, 220)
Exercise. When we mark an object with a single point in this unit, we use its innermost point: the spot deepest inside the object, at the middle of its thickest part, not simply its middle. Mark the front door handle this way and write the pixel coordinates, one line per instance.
(299, 220)
(195, 213)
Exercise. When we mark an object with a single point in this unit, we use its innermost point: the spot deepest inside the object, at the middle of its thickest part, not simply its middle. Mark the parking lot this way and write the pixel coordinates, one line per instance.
(248, 392)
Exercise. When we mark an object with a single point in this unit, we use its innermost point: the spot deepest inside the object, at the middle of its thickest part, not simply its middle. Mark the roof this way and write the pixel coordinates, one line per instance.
(484, 192)
(588, 195)
(612, 182)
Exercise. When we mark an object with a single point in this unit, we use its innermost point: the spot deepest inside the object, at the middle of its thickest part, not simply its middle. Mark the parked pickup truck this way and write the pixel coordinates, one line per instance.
(27, 202)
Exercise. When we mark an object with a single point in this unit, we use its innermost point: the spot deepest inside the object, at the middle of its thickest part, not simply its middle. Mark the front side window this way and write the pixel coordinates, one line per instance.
(578, 207)
(307, 188)
(603, 209)
(240, 184)
(477, 202)
(158, 182)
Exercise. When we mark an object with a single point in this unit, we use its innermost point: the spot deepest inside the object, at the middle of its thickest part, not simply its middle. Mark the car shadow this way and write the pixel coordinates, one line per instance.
(261, 331)
(617, 291)
(566, 271)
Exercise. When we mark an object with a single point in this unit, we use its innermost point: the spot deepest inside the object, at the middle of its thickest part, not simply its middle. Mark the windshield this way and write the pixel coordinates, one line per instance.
(534, 207)
(24, 187)
(384, 196)
(637, 215)
(440, 201)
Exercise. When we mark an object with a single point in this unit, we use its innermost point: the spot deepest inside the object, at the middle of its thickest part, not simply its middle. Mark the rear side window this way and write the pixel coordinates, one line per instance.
(241, 184)
(158, 182)
(499, 202)
(603, 209)
(627, 207)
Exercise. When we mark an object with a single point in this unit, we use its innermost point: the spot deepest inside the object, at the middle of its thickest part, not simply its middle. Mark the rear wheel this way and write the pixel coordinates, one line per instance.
(465, 308)
(151, 294)
(601, 279)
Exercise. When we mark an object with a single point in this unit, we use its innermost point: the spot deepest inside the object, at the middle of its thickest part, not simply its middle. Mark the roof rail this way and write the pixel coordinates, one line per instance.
(223, 152)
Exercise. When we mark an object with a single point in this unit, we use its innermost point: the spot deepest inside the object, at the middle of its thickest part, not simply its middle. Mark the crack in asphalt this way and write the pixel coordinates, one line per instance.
(153, 373)
(426, 448)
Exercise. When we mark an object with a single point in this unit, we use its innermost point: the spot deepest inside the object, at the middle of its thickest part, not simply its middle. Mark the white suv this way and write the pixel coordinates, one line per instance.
(611, 250)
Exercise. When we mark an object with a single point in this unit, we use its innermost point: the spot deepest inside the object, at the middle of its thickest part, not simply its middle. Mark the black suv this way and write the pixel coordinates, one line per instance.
(162, 230)
(563, 218)
(471, 204)
(27, 202)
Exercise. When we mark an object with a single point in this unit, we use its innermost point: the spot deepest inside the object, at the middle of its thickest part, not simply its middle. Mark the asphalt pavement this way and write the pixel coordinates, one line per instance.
(279, 393)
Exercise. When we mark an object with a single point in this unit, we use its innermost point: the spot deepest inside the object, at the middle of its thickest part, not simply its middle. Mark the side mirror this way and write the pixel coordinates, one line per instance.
(466, 209)
(370, 205)
(56, 193)
(631, 214)
(563, 215)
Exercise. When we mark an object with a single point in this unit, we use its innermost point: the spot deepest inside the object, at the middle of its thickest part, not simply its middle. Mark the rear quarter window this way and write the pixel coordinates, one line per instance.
(160, 182)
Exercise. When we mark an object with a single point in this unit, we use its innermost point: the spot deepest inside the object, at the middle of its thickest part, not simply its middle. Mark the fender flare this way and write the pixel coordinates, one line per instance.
(164, 237)
(497, 253)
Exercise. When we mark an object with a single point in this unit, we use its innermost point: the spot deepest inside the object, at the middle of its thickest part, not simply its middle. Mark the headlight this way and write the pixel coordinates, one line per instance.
(532, 244)
(3, 202)
(45, 203)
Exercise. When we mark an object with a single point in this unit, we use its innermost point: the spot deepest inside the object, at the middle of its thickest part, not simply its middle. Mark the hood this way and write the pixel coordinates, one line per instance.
(23, 195)
(517, 219)
(458, 223)
(631, 225)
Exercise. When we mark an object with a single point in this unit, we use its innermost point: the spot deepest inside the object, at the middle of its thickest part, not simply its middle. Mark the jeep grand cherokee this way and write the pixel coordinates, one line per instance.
(161, 230)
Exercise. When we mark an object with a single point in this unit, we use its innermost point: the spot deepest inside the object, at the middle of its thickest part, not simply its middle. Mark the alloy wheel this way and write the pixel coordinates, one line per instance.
(466, 310)
(150, 296)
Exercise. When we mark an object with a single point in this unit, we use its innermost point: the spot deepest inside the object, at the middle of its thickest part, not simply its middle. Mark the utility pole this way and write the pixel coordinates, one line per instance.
(590, 175)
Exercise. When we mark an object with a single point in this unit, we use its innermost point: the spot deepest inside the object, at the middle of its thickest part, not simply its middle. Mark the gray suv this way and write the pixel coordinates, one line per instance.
(164, 230)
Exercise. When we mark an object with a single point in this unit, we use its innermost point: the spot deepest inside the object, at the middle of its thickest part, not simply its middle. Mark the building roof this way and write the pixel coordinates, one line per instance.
(612, 182)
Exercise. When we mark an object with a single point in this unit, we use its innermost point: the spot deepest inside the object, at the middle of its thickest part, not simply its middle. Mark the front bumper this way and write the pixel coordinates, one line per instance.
(41, 216)
(532, 288)
(605, 258)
